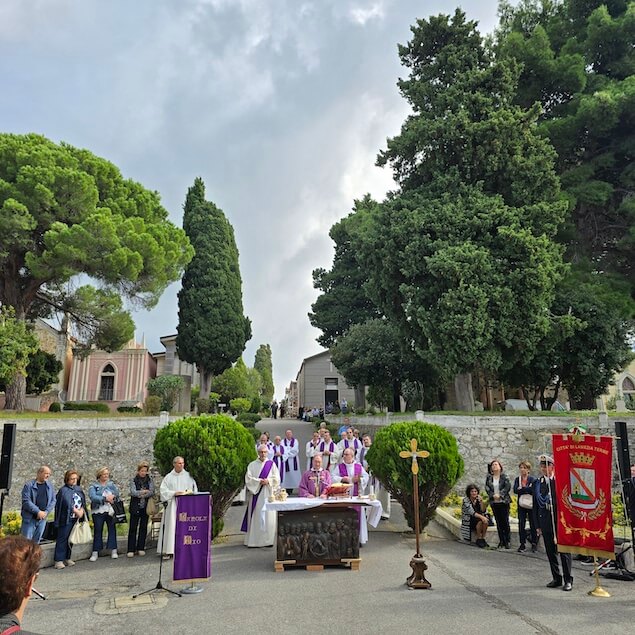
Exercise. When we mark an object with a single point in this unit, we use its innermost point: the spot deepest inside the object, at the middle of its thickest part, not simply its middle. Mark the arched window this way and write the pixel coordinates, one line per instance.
(107, 383)
(628, 392)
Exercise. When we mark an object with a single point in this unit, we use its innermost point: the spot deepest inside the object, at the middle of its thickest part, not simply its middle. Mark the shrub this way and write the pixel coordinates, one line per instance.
(12, 523)
(240, 404)
(255, 405)
(437, 474)
(152, 405)
(217, 450)
(202, 405)
(92, 406)
(128, 409)
(255, 433)
(56, 406)
(168, 388)
(248, 418)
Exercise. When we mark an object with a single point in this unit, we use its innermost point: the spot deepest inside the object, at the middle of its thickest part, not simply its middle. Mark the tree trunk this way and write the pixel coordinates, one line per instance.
(396, 393)
(15, 393)
(206, 383)
(463, 394)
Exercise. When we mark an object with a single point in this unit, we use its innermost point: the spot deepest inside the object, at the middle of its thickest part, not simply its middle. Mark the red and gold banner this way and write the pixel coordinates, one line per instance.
(584, 473)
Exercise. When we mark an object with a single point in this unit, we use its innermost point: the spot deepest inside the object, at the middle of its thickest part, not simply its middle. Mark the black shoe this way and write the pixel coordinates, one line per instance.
(567, 586)
(554, 584)
(507, 545)
(485, 545)
(534, 548)
(480, 543)
(521, 548)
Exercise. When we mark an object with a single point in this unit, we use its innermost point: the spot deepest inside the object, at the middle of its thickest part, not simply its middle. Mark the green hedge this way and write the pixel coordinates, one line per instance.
(93, 406)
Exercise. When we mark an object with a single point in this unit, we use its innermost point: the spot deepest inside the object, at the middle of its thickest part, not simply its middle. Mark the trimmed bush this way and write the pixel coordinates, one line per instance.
(152, 405)
(240, 404)
(92, 406)
(437, 474)
(202, 405)
(167, 387)
(56, 406)
(255, 433)
(248, 418)
(128, 409)
(217, 450)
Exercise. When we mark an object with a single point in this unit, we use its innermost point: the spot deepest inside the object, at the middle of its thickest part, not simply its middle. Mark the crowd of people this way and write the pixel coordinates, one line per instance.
(71, 506)
(536, 506)
(327, 462)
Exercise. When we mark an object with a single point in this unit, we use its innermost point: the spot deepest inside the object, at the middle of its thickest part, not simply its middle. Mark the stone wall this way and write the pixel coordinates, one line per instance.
(82, 444)
(120, 443)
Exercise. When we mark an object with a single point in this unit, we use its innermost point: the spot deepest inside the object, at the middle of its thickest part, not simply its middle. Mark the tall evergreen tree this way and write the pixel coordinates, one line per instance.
(212, 329)
(264, 365)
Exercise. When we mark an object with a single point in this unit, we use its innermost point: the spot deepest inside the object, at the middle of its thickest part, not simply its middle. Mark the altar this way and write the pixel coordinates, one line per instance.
(314, 532)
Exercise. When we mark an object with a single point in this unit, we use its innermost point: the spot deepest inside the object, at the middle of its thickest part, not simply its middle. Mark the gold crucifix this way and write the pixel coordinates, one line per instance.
(417, 580)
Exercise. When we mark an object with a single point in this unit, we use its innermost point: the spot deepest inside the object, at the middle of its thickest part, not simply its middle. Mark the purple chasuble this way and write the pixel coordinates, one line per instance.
(264, 473)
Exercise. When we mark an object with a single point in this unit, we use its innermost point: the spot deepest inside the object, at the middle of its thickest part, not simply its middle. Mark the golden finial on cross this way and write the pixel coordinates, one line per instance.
(414, 455)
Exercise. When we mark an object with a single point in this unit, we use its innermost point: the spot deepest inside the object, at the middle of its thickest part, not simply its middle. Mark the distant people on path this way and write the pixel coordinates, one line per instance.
(38, 499)
(274, 409)
(547, 514)
(315, 481)
(292, 472)
(102, 493)
(70, 506)
(283, 409)
(473, 517)
(19, 565)
(498, 488)
(141, 490)
(262, 479)
(344, 406)
(177, 483)
(524, 489)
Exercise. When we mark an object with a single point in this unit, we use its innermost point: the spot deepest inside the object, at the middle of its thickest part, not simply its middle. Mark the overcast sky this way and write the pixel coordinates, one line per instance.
(281, 106)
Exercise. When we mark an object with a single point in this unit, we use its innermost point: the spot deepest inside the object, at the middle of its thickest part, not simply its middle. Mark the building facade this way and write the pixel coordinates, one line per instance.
(319, 384)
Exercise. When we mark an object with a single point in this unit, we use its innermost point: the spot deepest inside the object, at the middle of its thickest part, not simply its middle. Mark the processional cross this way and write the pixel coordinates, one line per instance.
(418, 579)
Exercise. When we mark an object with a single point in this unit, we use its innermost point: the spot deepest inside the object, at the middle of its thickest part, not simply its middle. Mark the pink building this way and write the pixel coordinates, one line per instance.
(118, 378)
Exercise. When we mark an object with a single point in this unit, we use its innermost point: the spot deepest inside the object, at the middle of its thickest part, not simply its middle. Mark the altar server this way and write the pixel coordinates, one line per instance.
(312, 448)
(261, 480)
(292, 472)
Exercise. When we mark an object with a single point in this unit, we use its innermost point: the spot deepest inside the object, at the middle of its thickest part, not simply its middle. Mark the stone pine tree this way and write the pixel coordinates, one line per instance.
(263, 364)
(212, 329)
(65, 212)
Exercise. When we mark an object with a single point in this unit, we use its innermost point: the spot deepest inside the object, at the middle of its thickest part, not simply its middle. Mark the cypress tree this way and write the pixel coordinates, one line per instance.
(212, 329)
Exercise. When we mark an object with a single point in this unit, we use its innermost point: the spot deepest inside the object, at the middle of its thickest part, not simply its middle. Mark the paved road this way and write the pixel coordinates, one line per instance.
(473, 592)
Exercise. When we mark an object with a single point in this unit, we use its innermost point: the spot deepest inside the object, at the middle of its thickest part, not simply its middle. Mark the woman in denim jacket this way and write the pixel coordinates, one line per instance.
(102, 493)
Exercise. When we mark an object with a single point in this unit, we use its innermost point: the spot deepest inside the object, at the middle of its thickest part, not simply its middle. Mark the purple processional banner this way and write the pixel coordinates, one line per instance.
(193, 538)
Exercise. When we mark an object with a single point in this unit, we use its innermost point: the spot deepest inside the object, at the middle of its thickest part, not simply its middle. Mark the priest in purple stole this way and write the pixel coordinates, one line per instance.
(352, 472)
(315, 481)
(261, 480)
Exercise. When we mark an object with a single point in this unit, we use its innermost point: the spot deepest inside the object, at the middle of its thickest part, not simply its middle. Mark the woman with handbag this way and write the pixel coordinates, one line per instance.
(524, 488)
(498, 487)
(102, 494)
(70, 507)
(141, 491)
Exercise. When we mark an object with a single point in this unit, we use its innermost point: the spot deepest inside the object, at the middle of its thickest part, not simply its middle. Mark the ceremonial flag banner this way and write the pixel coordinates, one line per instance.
(193, 538)
(583, 466)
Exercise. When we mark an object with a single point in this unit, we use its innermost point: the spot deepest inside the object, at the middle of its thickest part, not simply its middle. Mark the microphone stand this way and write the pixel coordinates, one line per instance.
(159, 586)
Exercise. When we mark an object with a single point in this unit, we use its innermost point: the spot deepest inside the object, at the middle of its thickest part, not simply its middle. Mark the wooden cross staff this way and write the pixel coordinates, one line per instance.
(414, 455)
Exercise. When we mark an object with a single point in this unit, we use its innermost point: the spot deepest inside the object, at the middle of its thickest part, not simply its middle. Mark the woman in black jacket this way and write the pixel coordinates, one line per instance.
(498, 487)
